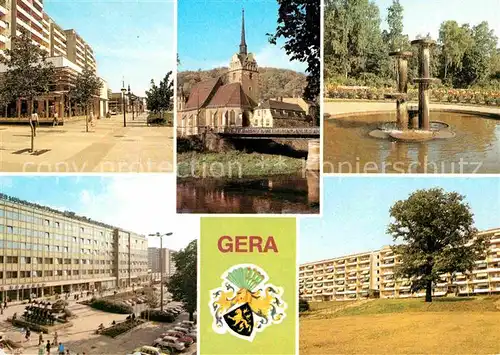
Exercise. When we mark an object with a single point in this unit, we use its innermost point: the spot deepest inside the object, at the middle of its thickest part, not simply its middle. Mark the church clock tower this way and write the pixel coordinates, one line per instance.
(243, 68)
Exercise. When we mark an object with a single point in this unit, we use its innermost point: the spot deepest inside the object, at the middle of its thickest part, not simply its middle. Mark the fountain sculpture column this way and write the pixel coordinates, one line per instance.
(424, 58)
(402, 95)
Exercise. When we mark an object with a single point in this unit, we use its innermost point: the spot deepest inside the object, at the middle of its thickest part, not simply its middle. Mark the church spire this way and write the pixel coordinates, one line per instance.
(243, 44)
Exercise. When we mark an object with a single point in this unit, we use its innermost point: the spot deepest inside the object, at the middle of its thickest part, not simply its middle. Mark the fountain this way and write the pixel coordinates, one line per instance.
(411, 126)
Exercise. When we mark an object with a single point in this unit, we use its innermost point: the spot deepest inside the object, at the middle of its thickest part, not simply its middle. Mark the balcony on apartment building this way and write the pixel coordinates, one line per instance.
(352, 262)
(390, 262)
(329, 270)
(309, 267)
(4, 7)
(32, 7)
(495, 239)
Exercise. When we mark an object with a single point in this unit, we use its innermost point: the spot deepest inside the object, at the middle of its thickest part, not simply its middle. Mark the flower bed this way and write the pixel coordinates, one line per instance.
(121, 328)
(37, 327)
(441, 95)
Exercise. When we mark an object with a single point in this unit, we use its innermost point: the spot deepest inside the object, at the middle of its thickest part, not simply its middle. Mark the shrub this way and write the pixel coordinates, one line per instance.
(59, 305)
(111, 306)
(158, 316)
(303, 305)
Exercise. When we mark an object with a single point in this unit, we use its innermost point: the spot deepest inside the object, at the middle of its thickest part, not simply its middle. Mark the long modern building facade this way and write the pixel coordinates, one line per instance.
(367, 274)
(44, 251)
(66, 50)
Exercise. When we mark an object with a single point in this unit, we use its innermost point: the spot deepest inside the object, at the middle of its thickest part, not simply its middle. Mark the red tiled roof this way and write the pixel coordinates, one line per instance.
(200, 93)
(230, 95)
(281, 105)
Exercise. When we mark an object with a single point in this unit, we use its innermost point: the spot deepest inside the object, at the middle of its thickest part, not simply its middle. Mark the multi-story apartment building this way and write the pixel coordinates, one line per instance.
(361, 275)
(155, 260)
(44, 251)
(67, 51)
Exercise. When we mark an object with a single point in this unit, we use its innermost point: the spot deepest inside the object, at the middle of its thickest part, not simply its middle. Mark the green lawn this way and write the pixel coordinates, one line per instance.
(236, 163)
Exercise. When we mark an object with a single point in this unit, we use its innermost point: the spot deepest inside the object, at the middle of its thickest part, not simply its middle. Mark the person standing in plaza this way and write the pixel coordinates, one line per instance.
(47, 347)
(40, 339)
(61, 349)
(55, 338)
(56, 119)
(28, 334)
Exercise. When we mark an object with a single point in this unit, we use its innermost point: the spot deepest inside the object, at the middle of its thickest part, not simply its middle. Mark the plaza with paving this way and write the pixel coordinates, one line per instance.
(107, 147)
(81, 338)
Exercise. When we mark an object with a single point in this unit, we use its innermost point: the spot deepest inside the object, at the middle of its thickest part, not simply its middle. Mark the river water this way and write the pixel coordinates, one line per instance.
(280, 194)
(349, 149)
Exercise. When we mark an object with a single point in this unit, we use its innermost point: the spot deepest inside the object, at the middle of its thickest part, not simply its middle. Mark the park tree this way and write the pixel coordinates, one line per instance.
(159, 98)
(354, 46)
(183, 283)
(454, 41)
(299, 26)
(87, 87)
(395, 37)
(438, 237)
(28, 73)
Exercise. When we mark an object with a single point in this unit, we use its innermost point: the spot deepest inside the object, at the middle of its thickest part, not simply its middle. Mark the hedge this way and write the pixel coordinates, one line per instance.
(158, 316)
(112, 306)
(303, 305)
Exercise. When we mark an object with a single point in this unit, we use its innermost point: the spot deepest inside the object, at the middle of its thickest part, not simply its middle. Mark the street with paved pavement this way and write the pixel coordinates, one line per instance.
(107, 147)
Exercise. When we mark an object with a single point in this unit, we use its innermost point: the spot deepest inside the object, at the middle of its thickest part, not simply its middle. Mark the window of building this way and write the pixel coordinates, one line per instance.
(49, 273)
(10, 230)
(74, 239)
(76, 272)
(25, 260)
(57, 224)
(47, 222)
(12, 260)
(59, 273)
(11, 274)
(82, 230)
(47, 235)
(76, 261)
(49, 261)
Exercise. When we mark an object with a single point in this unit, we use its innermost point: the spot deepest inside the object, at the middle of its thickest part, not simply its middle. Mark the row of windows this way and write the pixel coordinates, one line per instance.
(20, 216)
(50, 261)
(48, 273)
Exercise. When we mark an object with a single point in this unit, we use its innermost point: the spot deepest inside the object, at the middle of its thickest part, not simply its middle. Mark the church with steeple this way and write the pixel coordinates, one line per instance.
(232, 100)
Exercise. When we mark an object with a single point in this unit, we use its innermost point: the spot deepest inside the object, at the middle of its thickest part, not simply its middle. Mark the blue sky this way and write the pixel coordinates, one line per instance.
(425, 16)
(356, 211)
(209, 33)
(142, 203)
(132, 39)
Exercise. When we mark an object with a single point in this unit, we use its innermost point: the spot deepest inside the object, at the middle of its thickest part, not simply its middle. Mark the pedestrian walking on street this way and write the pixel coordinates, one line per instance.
(5, 304)
(47, 347)
(40, 339)
(56, 119)
(41, 350)
(55, 338)
(61, 349)
(1, 309)
(28, 334)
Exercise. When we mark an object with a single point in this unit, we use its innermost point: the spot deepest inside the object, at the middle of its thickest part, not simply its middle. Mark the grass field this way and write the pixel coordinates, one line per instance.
(236, 163)
(402, 326)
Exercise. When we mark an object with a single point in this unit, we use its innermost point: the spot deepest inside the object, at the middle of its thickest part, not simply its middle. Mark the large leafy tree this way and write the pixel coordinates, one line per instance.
(87, 87)
(395, 37)
(28, 73)
(183, 283)
(299, 25)
(159, 98)
(438, 237)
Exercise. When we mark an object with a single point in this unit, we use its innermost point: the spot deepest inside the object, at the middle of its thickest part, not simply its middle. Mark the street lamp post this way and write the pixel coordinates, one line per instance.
(157, 234)
(124, 107)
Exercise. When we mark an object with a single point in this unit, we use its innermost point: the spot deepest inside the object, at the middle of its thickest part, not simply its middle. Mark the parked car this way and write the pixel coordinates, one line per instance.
(113, 112)
(151, 350)
(187, 332)
(169, 342)
(188, 323)
(183, 338)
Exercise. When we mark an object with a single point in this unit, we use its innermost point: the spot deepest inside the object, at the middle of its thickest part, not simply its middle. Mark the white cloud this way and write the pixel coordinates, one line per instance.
(143, 204)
